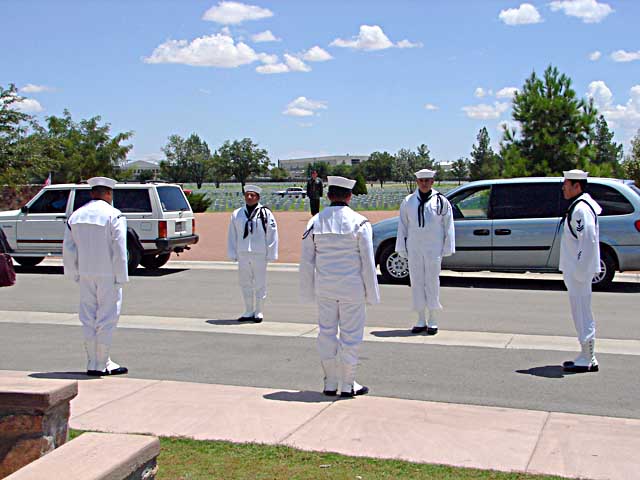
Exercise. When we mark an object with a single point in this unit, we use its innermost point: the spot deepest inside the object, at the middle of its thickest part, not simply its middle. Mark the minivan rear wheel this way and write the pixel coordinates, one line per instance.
(393, 267)
(603, 279)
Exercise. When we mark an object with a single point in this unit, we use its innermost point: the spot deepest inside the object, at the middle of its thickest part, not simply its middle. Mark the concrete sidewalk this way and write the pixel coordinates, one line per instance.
(440, 433)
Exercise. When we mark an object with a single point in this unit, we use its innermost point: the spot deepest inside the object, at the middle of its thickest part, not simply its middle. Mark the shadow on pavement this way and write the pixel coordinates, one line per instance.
(303, 396)
(228, 322)
(521, 284)
(548, 371)
(57, 270)
(64, 375)
(393, 333)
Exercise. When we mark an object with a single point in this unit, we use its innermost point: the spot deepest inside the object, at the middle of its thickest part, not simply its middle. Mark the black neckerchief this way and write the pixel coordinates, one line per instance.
(423, 198)
(251, 212)
(339, 204)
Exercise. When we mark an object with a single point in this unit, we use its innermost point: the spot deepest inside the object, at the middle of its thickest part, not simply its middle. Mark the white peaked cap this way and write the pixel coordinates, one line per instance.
(335, 181)
(102, 182)
(575, 175)
(425, 173)
(252, 188)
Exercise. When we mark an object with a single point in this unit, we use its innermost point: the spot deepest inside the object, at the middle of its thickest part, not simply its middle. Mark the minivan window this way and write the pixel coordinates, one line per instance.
(51, 201)
(132, 200)
(525, 200)
(172, 199)
(471, 204)
(611, 200)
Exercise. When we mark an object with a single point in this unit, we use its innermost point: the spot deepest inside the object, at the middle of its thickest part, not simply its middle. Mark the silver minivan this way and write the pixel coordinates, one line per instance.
(513, 225)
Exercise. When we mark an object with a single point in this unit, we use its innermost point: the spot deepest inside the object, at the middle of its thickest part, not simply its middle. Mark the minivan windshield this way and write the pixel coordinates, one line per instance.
(172, 199)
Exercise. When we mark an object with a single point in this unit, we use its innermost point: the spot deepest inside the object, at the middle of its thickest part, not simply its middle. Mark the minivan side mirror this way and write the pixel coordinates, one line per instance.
(25, 209)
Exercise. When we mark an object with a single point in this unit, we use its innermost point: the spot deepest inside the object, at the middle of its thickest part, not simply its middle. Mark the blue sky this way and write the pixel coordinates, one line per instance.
(336, 77)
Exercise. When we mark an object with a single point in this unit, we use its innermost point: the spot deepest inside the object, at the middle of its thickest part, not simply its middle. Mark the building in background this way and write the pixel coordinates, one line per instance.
(144, 169)
(297, 167)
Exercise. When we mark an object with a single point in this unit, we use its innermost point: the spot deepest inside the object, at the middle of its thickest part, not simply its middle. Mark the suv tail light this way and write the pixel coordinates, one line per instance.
(193, 226)
(162, 229)
(637, 225)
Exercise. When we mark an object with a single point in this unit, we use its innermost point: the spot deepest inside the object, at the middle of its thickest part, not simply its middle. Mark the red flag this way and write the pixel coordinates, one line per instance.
(47, 182)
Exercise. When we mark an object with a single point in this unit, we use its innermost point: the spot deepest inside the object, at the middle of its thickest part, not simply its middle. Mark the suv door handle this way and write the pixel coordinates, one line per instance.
(502, 231)
(482, 232)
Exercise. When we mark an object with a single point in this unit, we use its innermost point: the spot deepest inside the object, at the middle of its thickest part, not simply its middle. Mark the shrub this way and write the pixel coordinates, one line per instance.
(199, 202)
(360, 188)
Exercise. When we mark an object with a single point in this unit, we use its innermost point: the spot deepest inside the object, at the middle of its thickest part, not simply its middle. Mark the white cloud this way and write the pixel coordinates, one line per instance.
(624, 56)
(370, 38)
(233, 13)
(272, 68)
(506, 92)
(485, 111)
(600, 93)
(265, 36)
(295, 64)
(430, 107)
(595, 55)
(28, 105)
(268, 59)
(304, 107)
(31, 88)
(316, 54)
(625, 118)
(305, 124)
(589, 11)
(479, 92)
(525, 14)
(218, 50)
(204, 91)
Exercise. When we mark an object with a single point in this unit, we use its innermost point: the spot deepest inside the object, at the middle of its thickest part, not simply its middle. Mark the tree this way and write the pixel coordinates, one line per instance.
(631, 165)
(607, 154)
(484, 162)
(84, 149)
(244, 159)
(323, 169)
(424, 156)
(379, 167)
(554, 125)
(342, 170)
(278, 174)
(459, 170)
(145, 176)
(407, 163)
(360, 188)
(187, 160)
(22, 142)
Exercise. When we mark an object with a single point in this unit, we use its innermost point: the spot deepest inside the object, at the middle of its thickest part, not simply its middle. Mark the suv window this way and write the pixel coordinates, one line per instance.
(525, 200)
(132, 200)
(471, 204)
(82, 198)
(610, 199)
(172, 199)
(51, 201)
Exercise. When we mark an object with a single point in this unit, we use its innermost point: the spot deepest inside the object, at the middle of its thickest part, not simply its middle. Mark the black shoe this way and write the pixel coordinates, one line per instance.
(94, 373)
(361, 391)
(432, 330)
(116, 371)
(246, 319)
(257, 319)
(568, 363)
(580, 369)
(419, 329)
(330, 393)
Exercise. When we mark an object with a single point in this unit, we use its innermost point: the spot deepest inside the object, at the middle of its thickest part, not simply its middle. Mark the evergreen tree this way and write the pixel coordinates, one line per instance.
(459, 169)
(631, 165)
(484, 162)
(607, 154)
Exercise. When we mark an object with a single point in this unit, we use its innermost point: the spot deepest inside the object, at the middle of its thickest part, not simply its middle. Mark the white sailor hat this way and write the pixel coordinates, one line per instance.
(102, 182)
(425, 173)
(575, 175)
(335, 181)
(252, 188)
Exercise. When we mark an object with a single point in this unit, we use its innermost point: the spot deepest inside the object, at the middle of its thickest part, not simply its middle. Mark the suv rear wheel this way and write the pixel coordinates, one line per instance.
(134, 255)
(394, 268)
(28, 261)
(153, 262)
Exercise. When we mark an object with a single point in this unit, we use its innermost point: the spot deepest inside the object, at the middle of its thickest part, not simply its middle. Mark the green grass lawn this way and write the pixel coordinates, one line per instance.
(184, 459)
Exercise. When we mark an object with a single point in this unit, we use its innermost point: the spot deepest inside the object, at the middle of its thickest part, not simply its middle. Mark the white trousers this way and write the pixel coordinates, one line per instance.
(580, 300)
(99, 311)
(252, 272)
(349, 318)
(424, 272)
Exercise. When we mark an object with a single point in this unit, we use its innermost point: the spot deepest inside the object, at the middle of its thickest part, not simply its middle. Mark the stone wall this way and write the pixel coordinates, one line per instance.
(14, 198)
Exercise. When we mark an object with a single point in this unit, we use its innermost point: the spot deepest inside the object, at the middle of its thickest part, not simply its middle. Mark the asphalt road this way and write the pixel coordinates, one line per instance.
(483, 376)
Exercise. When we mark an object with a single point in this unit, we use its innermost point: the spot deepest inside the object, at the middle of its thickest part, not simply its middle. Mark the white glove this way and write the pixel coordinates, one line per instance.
(403, 254)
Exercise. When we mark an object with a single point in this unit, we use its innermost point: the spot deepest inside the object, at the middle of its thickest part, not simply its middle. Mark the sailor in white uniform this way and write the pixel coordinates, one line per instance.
(425, 235)
(338, 270)
(95, 256)
(579, 262)
(253, 242)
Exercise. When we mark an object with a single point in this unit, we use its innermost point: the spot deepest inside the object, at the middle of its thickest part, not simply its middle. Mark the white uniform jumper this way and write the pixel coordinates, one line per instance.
(579, 262)
(95, 256)
(252, 242)
(425, 234)
(337, 268)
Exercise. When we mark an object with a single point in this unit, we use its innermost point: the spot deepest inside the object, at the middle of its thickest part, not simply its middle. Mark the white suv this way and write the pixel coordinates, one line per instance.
(159, 221)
